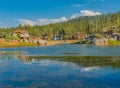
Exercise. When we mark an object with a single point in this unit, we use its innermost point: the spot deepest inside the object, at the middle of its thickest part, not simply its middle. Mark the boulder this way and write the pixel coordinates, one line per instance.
(101, 42)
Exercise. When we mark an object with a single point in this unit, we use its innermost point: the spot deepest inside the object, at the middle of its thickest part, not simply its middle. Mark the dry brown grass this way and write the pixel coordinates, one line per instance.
(51, 43)
(16, 44)
(23, 44)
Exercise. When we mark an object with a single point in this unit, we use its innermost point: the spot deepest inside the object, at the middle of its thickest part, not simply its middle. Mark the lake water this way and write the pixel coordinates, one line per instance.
(67, 50)
(35, 67)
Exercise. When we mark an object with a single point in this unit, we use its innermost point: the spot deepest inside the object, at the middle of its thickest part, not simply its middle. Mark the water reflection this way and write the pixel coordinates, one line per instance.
(17, 70)
(80, 61)
(67, 50)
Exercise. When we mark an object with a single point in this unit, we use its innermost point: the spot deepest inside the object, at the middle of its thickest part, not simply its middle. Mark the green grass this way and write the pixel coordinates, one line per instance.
(27, 44)
(20, 44)
(114, 42)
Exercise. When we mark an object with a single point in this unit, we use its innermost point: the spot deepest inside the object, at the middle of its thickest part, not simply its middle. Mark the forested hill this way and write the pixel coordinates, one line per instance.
(87, 24)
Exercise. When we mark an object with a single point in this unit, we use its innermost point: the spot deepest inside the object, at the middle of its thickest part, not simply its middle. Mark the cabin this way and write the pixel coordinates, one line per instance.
(45, 37)
(57, 37)
(22, 33)
(78, 36)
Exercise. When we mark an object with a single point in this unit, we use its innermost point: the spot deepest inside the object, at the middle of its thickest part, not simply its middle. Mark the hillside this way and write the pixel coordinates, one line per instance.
(85, 25)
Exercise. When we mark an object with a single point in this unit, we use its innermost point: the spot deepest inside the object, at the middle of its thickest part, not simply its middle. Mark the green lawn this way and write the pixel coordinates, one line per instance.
(113, 42)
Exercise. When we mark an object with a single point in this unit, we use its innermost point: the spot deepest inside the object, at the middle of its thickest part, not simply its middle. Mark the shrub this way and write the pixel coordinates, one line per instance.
(97, 35)
(3, 34)
(10, 38)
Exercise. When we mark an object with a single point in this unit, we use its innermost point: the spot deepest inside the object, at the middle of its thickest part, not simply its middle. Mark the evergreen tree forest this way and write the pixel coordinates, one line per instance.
(83, 24)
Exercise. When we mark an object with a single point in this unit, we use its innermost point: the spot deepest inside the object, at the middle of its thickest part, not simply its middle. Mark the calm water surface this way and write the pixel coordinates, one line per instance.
(25, 68)
(67, 50)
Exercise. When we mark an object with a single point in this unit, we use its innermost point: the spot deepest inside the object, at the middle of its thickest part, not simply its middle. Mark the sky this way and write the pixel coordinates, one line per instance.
(43, 12)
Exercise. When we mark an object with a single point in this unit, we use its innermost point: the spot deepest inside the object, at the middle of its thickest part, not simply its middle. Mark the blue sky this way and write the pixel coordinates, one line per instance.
(40, 12)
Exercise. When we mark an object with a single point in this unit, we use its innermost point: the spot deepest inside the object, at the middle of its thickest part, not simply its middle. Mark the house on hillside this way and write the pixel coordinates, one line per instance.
(45, 37)
(57, 37)
(78, 36)
(22, 34)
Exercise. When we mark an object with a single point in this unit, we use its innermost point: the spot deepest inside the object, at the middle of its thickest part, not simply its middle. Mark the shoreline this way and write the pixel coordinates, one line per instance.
(51, 43)
(27, 44)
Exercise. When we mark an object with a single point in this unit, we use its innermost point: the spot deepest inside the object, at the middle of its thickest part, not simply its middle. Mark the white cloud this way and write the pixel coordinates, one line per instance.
(27, 22)
(42, 21)
(85, 13)
(89, 13)
(79, 5)
(76, 15)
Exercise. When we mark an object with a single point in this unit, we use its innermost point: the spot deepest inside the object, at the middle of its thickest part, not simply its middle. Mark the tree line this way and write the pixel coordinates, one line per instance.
(84, 25)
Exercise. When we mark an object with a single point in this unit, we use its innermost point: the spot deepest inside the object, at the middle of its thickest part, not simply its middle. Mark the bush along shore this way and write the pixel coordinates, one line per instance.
(20, 38)
(4, 43)
(95, 41)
